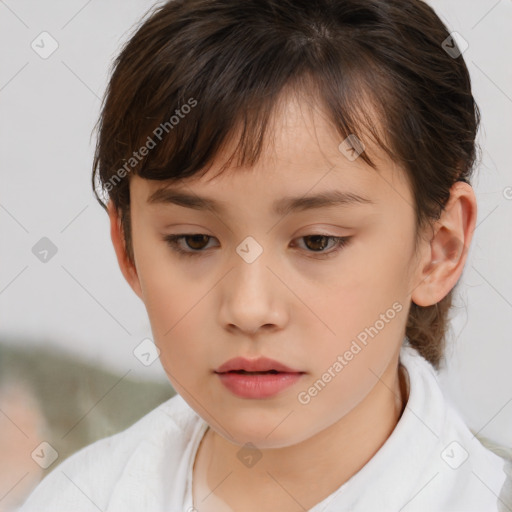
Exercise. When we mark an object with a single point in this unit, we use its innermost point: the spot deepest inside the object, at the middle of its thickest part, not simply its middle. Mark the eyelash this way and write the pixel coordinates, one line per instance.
(173, 240)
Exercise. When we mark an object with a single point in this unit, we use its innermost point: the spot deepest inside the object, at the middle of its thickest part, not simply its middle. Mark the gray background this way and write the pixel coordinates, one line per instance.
(78, 300)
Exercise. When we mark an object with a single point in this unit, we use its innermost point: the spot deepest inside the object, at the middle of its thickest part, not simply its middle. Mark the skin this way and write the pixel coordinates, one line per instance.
(292, 306)
(17, 442)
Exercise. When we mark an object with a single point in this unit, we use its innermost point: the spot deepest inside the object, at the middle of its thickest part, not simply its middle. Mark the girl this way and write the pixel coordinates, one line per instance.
(289, 195)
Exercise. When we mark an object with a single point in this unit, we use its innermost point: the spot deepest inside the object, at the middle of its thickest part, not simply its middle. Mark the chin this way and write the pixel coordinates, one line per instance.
(264, 434)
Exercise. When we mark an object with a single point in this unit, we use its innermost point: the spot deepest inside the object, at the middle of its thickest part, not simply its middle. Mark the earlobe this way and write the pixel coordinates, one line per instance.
(444, 256)
(128, 269)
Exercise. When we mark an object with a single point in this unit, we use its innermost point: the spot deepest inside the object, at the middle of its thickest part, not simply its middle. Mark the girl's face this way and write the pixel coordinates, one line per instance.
(266, 278)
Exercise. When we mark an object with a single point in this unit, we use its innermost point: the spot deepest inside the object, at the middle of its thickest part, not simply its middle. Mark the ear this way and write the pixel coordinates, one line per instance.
(444, 256)
(128, 269)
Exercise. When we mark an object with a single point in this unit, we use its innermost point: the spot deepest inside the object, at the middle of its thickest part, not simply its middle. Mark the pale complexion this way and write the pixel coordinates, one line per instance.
(290, 305)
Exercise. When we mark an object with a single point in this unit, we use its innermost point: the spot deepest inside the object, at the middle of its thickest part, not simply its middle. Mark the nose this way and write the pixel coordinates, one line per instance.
(253, 298)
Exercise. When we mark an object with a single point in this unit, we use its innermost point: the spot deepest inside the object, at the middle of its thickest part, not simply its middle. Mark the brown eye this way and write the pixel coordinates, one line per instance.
(195, 243)
(317, 242)
(198, 241)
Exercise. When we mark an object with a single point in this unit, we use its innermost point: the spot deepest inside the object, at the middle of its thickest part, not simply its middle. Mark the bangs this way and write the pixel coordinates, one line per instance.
(180, 113)
(190, 146)
(200, 76)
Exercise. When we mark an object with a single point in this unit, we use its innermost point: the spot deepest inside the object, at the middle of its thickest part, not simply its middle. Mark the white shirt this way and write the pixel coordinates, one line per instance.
(430, 462)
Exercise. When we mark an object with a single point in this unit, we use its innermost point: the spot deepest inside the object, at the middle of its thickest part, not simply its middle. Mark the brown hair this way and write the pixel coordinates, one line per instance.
(195, 71)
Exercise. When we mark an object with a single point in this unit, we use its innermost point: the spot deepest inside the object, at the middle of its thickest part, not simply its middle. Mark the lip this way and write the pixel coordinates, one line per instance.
(257, 385)
(261, 364)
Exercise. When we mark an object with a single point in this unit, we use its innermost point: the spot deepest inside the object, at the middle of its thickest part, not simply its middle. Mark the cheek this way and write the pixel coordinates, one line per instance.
(173, 315)
(355, 293)
(173, 309)
(173, 304)
(360, 312)
(333, 393)
(346, 367)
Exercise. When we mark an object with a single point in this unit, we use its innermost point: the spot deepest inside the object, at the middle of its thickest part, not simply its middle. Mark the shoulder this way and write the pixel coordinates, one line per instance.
(86, 480)
(466, 474)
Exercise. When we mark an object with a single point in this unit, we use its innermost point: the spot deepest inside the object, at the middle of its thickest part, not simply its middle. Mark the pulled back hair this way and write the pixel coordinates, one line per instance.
(197, 72)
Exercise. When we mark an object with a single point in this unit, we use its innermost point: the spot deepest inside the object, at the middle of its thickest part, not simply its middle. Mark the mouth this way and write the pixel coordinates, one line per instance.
(244, 372)
(258, 366)
(258, 384)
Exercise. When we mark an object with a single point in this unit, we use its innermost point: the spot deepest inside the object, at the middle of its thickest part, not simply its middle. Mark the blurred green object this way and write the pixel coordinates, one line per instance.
(80, 402)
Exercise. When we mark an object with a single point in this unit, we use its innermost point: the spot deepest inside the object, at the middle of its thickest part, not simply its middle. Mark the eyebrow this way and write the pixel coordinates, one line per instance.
(281, 206)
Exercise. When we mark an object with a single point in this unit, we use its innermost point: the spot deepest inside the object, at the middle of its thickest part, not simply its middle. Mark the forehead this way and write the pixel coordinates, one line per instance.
(303, 155)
